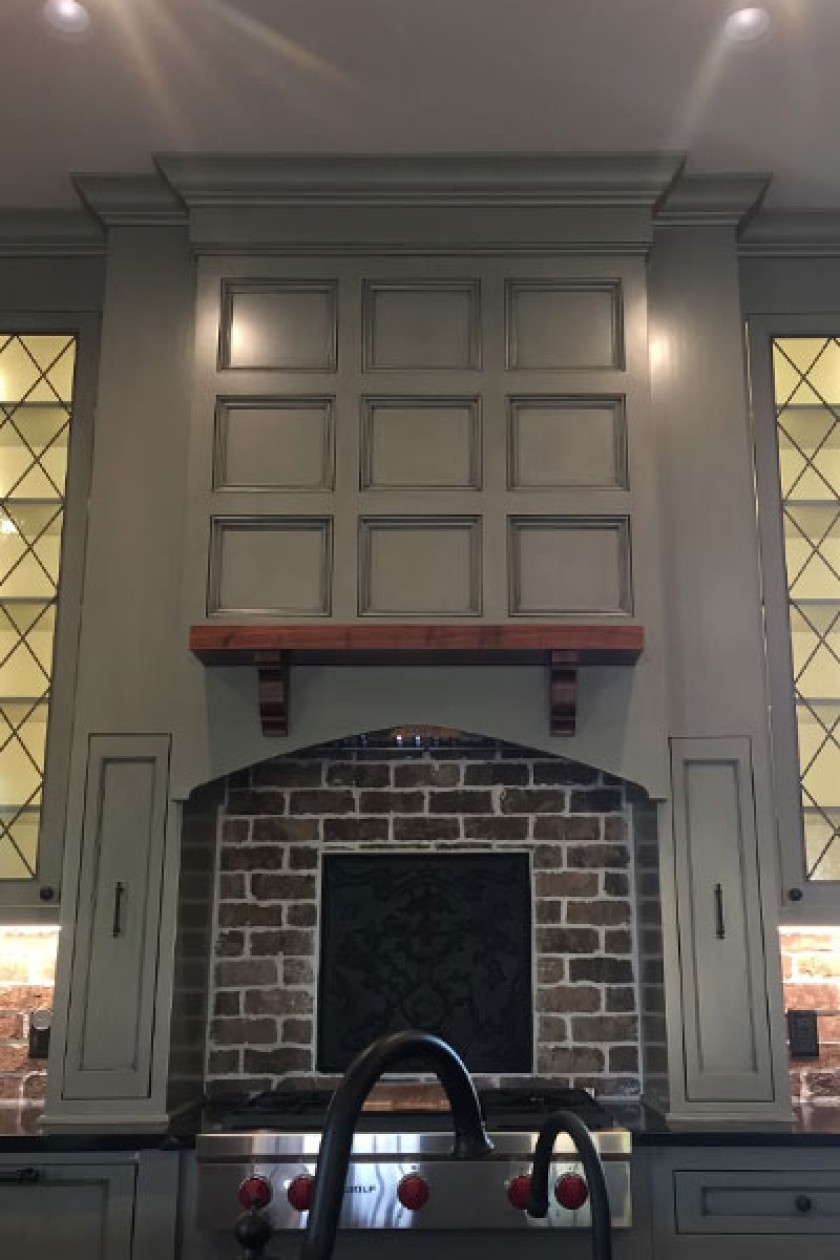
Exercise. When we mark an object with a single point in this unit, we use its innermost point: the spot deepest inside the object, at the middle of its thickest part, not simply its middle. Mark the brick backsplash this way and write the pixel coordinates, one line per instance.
(811, 974)
(281, 815)
(27, 975)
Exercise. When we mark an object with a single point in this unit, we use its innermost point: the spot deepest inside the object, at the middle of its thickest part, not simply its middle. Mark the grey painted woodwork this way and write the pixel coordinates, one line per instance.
(555, 442)
(420, 444)
(726, 1030)
(569, 565)
(72, 1208)
(274, 444)
(113, 980)
(467, 390)
(771, 1202)
(290, 326)
(279, 565)
(712, 600)
(398, 481)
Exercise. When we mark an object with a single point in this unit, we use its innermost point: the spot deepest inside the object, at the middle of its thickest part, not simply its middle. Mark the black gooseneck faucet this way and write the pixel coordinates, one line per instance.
(471, 1140)
(566, 1122)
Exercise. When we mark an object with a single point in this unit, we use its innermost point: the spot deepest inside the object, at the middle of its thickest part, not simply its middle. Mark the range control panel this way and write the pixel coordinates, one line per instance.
(412, 1194)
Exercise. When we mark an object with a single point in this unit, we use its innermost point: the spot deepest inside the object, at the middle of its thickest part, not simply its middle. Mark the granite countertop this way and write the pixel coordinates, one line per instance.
(811, 1126)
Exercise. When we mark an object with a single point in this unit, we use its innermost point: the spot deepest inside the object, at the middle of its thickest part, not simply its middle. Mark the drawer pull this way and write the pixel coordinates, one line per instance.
(803, 1203)
(20, 1176)
(119, 894)
(720, 926)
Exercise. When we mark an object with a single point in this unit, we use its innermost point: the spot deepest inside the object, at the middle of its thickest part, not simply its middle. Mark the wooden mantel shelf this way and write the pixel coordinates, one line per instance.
(271, 649)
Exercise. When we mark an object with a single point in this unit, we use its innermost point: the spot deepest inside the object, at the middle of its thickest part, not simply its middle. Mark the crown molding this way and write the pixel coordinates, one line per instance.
(793, 234)
(49, 234)
(130, 200)
(465, 180)
(713, 200)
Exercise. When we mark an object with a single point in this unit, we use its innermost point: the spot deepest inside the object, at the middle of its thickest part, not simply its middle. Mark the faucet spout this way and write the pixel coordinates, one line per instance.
(567, 1122)
(471, 1140)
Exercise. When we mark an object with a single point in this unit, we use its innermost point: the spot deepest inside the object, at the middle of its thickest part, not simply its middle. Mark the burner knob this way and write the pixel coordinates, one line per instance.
(571, 1191)
(413, 1192)
(299, 1192)
(519, 1192)
(255, 1192)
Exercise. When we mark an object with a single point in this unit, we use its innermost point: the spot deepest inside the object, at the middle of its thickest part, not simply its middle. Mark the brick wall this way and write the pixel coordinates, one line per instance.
(279, 817)
(27, 972)
(811, 971)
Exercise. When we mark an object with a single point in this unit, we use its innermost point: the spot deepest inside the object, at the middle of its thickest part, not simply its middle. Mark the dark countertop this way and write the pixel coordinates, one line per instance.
(20, 1132)
(812, 1126)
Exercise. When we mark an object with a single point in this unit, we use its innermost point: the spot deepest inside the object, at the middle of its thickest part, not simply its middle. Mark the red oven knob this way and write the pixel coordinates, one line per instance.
(571, 1191)
(299, 1192)
(255, 1192)
(413, 1192)
(519, 1192)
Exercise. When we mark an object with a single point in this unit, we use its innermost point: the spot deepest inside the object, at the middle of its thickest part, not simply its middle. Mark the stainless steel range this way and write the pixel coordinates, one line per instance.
(402, 1175)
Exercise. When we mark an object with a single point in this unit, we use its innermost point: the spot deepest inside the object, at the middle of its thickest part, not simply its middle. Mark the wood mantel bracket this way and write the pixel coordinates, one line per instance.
(272, 649)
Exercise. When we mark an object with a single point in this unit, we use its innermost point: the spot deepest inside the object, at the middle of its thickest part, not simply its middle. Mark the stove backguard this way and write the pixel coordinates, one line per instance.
(440, 942)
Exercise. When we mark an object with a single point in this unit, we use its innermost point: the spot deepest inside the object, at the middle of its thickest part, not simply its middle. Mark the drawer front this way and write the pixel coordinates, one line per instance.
(760, 1202)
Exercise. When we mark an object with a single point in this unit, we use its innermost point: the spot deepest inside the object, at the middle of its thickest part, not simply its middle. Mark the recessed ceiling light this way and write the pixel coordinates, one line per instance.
(68, 17)
(747, 24)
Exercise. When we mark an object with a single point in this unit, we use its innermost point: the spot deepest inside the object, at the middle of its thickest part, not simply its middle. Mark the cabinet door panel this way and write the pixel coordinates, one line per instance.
(114, 969)
(726, 1023)
(77, 1212)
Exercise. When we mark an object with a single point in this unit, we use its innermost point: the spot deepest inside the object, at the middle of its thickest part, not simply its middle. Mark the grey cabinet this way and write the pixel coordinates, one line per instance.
(796, 437)
(90, 1206)
(47, 385)
(109, 1032)
(739, 1201)
(726, 1034)
(77, 1210)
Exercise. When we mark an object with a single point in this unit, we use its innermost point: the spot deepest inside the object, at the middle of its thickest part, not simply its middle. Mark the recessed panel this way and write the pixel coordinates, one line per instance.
(555, 442)
(563, 324)
(421, 325)
(287, 325)
(280, 566)
(420, 443)
(276, 443)
(567, 564)
(420, 566)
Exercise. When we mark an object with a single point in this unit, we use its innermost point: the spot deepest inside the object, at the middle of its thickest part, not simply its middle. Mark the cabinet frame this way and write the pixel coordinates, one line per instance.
(38, 899)
(803, 900)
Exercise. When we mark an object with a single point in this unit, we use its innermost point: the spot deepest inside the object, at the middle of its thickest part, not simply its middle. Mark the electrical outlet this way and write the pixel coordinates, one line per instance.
(803, 1035)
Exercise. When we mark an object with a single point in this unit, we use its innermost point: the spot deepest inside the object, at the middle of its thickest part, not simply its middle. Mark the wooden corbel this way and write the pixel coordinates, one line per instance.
(565, 648)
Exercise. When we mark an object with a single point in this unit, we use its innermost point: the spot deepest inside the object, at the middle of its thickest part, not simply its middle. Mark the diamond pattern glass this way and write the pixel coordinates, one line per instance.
(36, 390)
(806, 372)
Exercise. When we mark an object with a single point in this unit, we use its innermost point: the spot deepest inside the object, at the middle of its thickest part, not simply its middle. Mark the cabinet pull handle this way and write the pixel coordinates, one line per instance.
(119, 897)
(720, 926)
(803, 1203)
(20, 1176)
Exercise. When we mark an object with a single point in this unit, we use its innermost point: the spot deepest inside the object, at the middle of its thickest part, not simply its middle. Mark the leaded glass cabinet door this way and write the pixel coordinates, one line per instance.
(796, 380)
(43, 462)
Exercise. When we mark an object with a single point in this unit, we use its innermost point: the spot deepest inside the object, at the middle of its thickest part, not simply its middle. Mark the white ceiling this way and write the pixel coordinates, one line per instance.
(157, 76)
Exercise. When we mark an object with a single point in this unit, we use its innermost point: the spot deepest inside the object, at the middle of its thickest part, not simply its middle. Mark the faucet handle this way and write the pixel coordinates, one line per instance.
(253, 1232)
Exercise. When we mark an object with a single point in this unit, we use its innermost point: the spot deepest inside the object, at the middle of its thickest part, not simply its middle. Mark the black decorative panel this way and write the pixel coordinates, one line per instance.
(440, 942)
